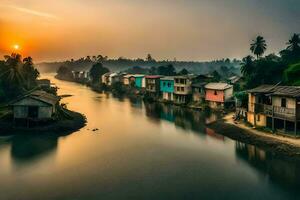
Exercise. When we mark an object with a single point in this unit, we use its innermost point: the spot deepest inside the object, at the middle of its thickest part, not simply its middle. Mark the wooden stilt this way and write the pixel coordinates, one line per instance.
(273, 125)
(295, 127)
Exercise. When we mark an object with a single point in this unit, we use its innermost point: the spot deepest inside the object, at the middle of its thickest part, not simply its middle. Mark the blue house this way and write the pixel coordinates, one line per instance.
(139, 81)
(167, 88)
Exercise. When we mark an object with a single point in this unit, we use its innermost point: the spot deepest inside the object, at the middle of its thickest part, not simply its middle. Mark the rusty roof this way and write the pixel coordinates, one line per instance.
(40, 95)
(289, 91)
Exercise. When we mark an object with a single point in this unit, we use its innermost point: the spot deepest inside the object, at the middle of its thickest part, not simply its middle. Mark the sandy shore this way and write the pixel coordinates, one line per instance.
(281, 145)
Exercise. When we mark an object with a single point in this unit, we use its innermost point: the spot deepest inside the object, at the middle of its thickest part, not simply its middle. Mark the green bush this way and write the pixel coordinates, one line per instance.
(292, 74)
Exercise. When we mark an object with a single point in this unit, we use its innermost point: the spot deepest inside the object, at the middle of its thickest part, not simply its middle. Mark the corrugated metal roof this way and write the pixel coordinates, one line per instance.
(218, 86)
(153, 76)
(291, 91)
(40, 96)
(168, 78)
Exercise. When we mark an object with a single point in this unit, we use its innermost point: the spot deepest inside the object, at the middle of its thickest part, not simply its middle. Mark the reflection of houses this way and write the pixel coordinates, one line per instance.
(153, 84)
(183, 88)
(281, 171)
(167, 88)
(275, 107)
(37, 105)
(218, 94)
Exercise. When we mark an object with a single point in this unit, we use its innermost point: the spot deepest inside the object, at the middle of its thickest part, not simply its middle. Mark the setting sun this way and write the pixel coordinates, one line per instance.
(16, 47)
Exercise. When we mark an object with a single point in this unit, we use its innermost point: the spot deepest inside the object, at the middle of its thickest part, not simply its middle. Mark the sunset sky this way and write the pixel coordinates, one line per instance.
(185, 29)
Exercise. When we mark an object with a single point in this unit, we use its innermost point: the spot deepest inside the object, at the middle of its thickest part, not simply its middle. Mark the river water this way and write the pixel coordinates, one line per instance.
(140, 151)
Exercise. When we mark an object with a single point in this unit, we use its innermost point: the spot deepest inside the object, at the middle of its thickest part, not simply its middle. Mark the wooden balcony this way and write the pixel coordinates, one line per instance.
(275, 111)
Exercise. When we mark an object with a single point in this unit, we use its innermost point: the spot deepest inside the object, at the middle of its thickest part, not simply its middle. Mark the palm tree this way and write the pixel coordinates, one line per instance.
(259, 46)
(247, 65)
(13, 69)
(294, 43)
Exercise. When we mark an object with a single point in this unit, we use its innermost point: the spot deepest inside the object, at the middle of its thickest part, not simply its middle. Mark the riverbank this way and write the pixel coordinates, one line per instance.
(281, 145)
(70, 122)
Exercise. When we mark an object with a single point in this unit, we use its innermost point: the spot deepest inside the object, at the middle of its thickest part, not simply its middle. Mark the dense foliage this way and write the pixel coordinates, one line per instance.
(272, 69)
(17, 76)
(97, 71)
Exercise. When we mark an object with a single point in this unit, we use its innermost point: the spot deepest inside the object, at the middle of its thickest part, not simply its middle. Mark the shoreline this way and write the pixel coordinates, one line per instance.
(284, 146)
(59, 127)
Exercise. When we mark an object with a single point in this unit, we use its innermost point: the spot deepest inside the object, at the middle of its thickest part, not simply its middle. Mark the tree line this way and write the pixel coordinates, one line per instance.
(283, 68)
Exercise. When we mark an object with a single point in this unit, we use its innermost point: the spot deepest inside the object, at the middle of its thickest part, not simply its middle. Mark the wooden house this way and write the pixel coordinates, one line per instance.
(153, 85)
(218, 94)
(183, 88)
(37, 106)
(275, 107)
(198, 91)
(167, 88)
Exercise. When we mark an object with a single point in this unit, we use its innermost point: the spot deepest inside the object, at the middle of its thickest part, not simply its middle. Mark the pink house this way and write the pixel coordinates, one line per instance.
(217, 94)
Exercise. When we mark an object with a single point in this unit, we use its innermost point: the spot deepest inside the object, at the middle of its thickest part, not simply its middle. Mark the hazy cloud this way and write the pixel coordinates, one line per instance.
(32, 12)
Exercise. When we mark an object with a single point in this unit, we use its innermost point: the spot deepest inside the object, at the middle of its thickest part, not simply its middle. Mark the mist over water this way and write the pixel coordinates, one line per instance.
(141, 151)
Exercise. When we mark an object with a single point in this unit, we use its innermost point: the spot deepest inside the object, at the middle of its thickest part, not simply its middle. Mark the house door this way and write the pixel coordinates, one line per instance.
(33, 112)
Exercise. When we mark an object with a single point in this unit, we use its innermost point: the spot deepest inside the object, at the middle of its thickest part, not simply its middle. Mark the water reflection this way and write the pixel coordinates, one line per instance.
(279, 171)
(187, 119)
(24, 148)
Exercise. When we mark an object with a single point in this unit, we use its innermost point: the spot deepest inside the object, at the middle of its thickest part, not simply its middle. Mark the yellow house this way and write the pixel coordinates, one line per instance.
(275, 107)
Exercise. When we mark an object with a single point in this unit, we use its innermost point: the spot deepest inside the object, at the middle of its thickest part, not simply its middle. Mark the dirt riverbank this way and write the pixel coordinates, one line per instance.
(281, 145)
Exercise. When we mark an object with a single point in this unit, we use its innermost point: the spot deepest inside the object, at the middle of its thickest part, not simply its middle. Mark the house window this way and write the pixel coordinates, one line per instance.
(182, 89)
(178, 89)
(283, 102)
(164, 84)
(169, 84)
(216, 93)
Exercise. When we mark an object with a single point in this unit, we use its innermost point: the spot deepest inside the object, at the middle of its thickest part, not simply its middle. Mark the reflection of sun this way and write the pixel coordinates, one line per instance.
(16, 47)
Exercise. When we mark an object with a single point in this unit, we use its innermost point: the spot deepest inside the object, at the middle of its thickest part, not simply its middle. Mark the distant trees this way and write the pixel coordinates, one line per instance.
(149, 58)
(216, 76)
(259, 46)
(97, 71)
(64, 73)
(183, 72)
(168, 70)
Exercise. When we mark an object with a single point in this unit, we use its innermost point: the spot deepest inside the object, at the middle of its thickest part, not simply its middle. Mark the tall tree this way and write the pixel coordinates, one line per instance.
(149, 58)
(247, 66)
(97, 71)
(30, 73)
(259, 46)
(294, 43)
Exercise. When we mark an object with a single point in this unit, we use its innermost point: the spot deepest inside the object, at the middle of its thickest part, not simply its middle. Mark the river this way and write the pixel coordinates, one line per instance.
(140, 151)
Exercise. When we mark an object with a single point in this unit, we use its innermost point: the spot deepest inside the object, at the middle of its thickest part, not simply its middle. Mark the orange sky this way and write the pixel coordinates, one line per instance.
(187, 30)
